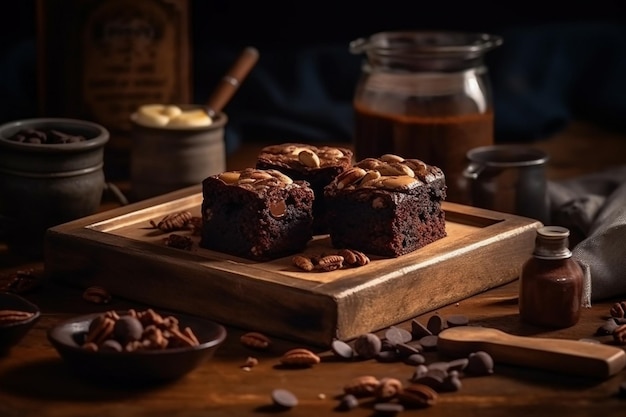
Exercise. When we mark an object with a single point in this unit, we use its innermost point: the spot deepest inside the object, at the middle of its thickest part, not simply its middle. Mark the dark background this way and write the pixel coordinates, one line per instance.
(559, 61)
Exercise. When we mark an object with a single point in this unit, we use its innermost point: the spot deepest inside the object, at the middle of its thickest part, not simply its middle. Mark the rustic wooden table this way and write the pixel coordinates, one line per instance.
(35, 382)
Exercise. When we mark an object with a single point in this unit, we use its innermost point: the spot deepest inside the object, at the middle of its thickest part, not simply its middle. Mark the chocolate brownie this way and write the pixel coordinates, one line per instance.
(388, 206)
(256, 214)
(318, 165)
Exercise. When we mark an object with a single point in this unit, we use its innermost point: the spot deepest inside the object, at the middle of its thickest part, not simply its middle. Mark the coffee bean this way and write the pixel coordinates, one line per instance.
(429, 342)
(418, 330)
(398, 335)
(435, 324)
(367, 345)
(284, 398)
(342, 349)
(455, 320)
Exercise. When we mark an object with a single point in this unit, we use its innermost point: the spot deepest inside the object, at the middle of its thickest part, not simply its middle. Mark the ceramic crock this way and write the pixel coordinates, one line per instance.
(43, 185)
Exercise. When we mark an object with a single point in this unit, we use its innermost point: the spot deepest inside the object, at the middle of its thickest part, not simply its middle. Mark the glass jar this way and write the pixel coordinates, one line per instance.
(551, 282)
(424, 95)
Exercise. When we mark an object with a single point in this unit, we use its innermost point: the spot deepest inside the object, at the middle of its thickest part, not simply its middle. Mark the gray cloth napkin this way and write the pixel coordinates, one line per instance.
(593, 208)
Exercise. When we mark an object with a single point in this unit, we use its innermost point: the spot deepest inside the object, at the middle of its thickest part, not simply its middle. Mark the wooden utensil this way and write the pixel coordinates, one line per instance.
(231, 81)
(560, 355)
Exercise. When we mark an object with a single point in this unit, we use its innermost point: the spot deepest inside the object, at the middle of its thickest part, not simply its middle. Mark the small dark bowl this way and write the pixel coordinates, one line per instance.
(131, 367)
(12, 333)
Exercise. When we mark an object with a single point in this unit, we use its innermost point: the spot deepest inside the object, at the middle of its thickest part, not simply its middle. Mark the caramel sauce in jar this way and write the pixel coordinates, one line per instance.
(425, 95)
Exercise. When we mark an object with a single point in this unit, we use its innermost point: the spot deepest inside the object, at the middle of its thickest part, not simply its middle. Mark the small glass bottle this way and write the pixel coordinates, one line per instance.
(551, 282)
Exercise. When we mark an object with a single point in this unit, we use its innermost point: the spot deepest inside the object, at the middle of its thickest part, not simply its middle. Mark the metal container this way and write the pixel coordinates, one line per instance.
(510, 179)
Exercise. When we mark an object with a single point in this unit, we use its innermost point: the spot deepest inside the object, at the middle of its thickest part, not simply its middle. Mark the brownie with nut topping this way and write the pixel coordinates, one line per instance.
(317, 165)
(256, 214)
(387, 206)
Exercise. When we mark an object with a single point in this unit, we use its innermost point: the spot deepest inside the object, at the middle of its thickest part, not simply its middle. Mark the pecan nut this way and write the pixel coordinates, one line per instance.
(619, 335)
(418, 396)
(299, 357)
(303, 263)
(173, 221)
(255, 340)
(97, 295)
(14, 316)
(618, 310)
(330, 263)
(362, 386)
(388, 388)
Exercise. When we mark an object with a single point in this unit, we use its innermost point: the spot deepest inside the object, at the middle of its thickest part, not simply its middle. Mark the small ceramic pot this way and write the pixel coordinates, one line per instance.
(168, 158)
(43, 185)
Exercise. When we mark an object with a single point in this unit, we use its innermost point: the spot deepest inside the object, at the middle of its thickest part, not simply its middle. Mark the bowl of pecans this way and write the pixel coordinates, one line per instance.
(135, 346)
(17, 317)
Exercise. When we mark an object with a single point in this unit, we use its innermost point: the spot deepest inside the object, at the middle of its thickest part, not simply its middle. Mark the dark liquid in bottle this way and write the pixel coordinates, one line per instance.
(442, 141)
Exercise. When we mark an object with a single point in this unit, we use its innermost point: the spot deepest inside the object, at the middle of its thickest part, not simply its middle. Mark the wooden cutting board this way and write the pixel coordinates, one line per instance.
(120, 251)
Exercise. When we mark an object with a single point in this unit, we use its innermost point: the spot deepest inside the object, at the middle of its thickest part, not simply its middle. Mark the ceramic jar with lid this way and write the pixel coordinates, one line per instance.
(551, 282)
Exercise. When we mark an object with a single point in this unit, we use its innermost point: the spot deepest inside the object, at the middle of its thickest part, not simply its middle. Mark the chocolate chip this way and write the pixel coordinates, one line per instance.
(418, 330)
(342, 349)
(405, 349)
(443, 366)
(388, 408)
(451, 383)
(284, 398)
(430, 380)
(388, 356)
(415, 359)
(458, 364)
(429, 342)
(435, 324)
(398, 335)
(455, 320)
(419, 371)
(607, 328)
(348, 402)
(110, 345)
(479, 363)
(128, 329)
(367, 345)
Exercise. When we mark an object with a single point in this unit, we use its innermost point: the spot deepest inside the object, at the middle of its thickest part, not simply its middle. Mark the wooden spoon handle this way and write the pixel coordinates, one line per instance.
(560, 355)
(231, 81)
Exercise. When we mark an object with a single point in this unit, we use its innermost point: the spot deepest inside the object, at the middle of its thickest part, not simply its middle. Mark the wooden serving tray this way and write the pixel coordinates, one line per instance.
(120, 251)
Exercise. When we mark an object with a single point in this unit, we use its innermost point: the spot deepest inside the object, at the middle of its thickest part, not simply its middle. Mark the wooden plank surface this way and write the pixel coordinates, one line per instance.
(119, 250)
